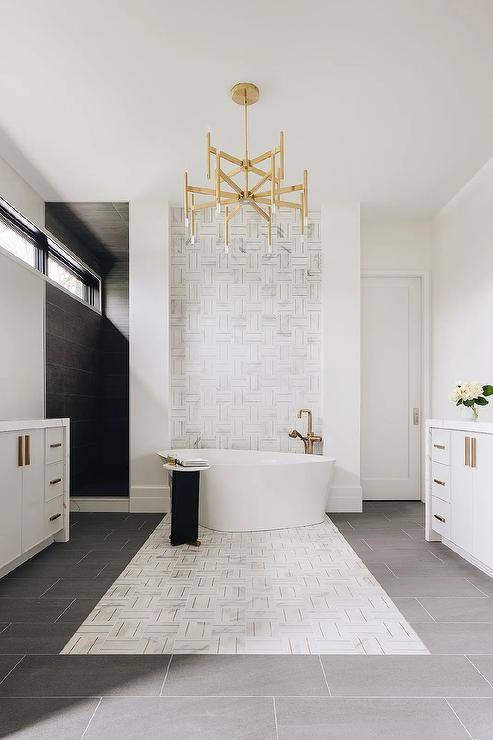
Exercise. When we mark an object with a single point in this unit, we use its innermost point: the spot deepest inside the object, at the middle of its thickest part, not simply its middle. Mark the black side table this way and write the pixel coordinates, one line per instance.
(185, 483)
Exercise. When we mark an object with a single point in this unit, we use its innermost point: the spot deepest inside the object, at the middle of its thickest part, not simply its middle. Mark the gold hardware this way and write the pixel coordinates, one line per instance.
(467, 451)
(55, 480)
(20, 452)
(27, 449)
(55, 516)
(439, 447)
(440, 482)
(245, 94)
(473, 452)
(310, 438)
(56, 444)
(440, 518)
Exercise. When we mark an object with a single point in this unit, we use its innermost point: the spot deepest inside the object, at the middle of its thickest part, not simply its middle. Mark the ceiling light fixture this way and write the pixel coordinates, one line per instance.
(264, 195)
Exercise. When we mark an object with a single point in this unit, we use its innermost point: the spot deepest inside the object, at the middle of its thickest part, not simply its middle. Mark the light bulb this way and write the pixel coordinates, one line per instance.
(269, 248)
(187, 223)
(302, 238)
(306, 220)
(192, 239)
(218, 209)
(226, 249)
(273, 208)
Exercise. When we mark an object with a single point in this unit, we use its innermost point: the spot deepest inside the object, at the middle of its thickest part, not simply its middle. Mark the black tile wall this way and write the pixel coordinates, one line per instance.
(87, 369)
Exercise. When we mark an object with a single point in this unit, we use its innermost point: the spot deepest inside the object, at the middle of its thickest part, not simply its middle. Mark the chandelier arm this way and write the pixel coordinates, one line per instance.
(290, 204)
(259, 184)
(281, 153)
(245, 163)
(257, 171)
(260, 158)
(208, 155)
(185, 195)
(273, 178)
(233, 213)
(260, 211)
(230, 182)
(305, 194)
(230, 158)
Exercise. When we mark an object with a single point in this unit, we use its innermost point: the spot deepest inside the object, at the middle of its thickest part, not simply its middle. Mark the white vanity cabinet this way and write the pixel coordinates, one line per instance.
(34, 488)
(459, 488)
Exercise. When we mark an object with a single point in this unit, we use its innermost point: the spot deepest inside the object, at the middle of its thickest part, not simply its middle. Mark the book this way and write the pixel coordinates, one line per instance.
(192, 463)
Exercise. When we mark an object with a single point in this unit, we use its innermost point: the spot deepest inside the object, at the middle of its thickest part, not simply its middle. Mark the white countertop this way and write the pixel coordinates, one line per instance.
(18, 424)
(463, 425)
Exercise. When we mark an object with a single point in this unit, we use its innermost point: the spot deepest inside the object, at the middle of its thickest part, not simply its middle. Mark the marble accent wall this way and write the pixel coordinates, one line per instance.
(245, 332)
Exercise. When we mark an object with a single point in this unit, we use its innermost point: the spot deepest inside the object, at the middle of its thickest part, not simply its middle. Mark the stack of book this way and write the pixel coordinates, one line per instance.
(189, 462)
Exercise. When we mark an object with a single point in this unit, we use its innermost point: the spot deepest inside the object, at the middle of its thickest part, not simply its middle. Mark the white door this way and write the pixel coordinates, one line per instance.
(10, 497)
(390, 387)
(33, 488)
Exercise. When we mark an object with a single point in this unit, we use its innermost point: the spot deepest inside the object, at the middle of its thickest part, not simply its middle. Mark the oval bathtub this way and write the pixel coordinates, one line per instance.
(245, 491)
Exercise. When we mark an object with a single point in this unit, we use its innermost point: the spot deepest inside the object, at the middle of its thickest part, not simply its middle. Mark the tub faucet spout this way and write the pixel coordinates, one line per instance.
(310, 438)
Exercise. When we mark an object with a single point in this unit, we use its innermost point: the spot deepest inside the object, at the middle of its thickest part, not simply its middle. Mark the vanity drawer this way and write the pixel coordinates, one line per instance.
(440, 446)
(440, 481)
(54, 480)
(53, 516)
(54, 445)
(440, 516)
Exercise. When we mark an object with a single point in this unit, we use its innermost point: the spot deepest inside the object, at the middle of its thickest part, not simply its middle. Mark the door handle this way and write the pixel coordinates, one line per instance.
(440, 482)
(56, 444)
(473, 452)
(55, 516)
(467, 451)
(55, 480)
(20, 452)
(27, 449)
(439, 447)
(440, 518)
(416, 417)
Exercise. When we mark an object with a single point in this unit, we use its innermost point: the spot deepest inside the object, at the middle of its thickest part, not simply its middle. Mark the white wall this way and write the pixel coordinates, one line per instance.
(19, 194)
(341, 321)
(392, 244)
(462, 289)
(22, 311)
(149, 354)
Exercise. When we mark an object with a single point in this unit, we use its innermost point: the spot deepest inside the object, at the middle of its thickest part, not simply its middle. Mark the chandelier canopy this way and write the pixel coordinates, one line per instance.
(246, 183)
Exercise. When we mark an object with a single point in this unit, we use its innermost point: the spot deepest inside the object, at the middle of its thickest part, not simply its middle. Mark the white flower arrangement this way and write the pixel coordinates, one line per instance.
(471, 395)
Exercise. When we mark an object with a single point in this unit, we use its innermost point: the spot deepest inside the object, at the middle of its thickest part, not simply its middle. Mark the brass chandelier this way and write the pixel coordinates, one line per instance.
(264, 194)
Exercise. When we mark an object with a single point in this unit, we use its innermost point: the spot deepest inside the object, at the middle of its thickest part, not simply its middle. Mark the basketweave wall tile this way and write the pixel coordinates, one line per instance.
(245, 331)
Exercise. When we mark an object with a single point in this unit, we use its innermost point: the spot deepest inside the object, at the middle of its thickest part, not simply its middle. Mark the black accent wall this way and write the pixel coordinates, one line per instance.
(87, 358)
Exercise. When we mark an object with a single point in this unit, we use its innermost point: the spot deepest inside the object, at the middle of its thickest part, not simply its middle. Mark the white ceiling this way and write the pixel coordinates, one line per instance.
(385, 101)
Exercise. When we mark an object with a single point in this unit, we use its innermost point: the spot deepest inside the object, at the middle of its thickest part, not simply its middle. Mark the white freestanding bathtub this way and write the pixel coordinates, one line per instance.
(244, 491)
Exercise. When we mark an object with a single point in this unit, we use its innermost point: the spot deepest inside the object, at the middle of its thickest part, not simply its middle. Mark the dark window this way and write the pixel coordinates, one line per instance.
(21, 238)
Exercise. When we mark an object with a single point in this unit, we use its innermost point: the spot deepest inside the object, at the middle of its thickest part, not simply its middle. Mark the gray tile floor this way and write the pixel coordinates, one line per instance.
(448, 694)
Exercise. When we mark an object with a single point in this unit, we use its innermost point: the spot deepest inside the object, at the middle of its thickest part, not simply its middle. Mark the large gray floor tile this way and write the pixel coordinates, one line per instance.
(438, 569)
(7, 662)
(87, 675)
(245, 675)
(460, 609)
(51, 569)
(428, 586)
(31, 610)
(365, 719)
(403, 675)
(476, 715)
(447, 638)
(393, 540)
(190, 718)
(24, 638)
(484, 663)
(45, 719)
(362, 719)
(411, 609)
(399, 556)
(483, 582)
(34, 587)
(79, 587)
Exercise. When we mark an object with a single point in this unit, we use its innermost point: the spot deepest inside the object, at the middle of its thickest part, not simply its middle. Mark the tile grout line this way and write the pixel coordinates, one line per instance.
(92, 716)
(275, 717)
(462, 723)
(325, 676)
(477, 669)
(424, 607)
(166, 674)
(49, 587)
(12, 669)
(62, 613)
(473, 584)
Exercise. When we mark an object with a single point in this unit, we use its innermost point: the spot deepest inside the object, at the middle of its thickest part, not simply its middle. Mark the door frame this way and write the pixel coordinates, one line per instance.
(424, 277)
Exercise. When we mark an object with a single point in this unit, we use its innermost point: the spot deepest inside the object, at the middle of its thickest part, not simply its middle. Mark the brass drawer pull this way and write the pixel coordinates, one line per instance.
(473, 452)
(439, 447)
(440, 482)
(467, 451)
(56, 444)
(55, 516)
(440, 518)
(20, 452)
(27, 449)
(55, 480)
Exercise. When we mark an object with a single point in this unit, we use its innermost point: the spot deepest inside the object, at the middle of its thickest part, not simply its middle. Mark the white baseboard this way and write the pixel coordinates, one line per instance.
(150, 499)
(345, 499)
(99, 503)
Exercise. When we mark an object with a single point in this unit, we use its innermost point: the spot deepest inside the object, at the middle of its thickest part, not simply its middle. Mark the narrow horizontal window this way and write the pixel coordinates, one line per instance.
(35, 247)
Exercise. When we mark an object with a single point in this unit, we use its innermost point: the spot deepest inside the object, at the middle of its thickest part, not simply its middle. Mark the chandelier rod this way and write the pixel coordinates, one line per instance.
(245, 108)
